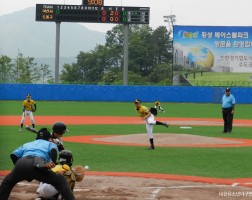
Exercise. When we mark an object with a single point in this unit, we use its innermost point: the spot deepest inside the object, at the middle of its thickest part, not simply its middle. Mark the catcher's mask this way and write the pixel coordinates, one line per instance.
(43, 134)
(66, 157)
(59, 128)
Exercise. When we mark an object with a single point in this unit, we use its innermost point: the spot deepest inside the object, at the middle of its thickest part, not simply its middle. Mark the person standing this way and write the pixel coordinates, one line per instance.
(34, 160)
(29, 106)
(228, 105)
(144, 113)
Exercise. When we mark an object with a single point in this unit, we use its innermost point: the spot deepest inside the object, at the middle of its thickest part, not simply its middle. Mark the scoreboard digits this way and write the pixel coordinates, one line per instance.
(92, 14)
(93, 2)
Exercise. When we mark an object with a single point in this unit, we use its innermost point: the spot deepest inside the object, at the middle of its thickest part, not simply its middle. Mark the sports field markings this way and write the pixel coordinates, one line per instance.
(157, 190)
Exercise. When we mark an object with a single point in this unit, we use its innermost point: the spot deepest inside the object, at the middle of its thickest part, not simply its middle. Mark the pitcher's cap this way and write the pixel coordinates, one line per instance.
(137, 101)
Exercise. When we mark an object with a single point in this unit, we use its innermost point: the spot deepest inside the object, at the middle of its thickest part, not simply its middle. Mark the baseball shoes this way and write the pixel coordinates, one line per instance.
(151, 148)
(165, 124)
(224, 132)
(20, 130)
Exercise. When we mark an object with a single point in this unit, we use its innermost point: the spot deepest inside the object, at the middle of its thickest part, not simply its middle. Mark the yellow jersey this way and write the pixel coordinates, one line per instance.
(142, 111)
(157, 103)
(28, 104)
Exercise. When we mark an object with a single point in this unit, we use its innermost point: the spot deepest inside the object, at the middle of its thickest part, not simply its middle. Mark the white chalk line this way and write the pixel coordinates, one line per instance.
(158, 189)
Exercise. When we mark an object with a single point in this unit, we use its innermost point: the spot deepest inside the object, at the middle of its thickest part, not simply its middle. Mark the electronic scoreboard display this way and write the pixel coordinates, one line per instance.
(92, 14)
(93, 2)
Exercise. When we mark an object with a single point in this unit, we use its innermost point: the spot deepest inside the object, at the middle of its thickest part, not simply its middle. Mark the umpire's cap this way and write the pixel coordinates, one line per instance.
(43, 134)
(59, 128)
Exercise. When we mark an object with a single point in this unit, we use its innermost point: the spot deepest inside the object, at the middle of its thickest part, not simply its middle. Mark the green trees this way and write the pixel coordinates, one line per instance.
(149, 61)
(22, 70)
(149, 58)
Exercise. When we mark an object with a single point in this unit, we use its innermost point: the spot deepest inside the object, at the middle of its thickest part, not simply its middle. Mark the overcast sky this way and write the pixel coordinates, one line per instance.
(188, 12)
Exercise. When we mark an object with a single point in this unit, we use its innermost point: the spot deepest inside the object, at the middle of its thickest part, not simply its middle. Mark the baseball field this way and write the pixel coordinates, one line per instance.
(192, 159)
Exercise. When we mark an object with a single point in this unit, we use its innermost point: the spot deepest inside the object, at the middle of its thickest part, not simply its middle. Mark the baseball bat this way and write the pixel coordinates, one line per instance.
(31, 129)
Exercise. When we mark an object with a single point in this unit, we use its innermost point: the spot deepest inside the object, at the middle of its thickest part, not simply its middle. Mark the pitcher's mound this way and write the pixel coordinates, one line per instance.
(169, 140)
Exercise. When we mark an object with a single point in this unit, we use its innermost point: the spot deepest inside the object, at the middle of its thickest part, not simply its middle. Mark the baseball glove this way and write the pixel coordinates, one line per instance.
(79, 172)
(153, 111)
(33, 109)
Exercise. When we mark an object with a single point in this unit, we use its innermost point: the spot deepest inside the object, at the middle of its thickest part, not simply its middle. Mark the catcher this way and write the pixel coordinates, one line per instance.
(157, 105)
(64, 167)
(29, 106)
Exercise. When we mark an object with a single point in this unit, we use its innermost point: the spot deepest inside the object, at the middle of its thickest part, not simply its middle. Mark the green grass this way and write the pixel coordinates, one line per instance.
(76, 108)
(221, 79)
(228, 162)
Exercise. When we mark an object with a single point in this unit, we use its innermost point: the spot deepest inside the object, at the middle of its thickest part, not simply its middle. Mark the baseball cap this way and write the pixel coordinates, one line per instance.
(227, 89)
(137, 101)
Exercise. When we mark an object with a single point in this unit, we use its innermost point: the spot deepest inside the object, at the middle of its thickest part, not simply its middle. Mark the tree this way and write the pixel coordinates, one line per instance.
(22, 69)
(5, 68)
(160, 41)
(147, 49)
(160, 73)
(45, 72)
(71, 73)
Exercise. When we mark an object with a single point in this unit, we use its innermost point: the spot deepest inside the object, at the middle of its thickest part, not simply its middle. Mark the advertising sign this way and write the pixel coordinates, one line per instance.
(213, 48)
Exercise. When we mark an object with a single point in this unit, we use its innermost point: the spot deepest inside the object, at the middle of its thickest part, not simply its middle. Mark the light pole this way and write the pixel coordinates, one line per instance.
(170, 20)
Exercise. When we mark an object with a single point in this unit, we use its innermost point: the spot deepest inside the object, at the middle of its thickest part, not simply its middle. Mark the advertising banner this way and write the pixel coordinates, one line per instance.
(213, 48)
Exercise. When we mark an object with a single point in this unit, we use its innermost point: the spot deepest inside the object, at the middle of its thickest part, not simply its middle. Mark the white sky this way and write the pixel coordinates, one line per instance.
(188, 12)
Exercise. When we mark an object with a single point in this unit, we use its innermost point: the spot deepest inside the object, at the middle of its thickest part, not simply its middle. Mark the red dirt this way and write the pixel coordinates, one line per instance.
(49, 120)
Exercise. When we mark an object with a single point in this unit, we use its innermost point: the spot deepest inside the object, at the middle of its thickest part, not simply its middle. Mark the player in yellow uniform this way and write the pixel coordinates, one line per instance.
(157, 105)
(64, 167)
(144, 113)
(29, 106)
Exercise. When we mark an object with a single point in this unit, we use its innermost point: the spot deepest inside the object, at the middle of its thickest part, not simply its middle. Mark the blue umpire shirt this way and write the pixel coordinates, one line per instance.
(228, 101)
(40, 148)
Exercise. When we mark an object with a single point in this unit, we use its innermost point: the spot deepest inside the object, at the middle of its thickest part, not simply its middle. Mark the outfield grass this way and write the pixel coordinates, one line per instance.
(228, 162)
(75, 108)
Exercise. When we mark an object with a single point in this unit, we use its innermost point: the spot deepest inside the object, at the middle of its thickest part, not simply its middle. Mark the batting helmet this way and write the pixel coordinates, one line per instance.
(43, 134)
(66, 157)
(59, 128)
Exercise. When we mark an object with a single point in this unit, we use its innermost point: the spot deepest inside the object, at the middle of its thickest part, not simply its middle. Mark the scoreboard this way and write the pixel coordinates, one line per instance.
(92, 13)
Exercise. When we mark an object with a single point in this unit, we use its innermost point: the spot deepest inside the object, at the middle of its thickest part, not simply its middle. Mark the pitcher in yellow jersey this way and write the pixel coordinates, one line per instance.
(144, 113)
(29, 106)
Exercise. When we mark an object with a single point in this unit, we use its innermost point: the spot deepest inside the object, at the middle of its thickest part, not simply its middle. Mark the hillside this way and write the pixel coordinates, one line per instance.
(20, 32)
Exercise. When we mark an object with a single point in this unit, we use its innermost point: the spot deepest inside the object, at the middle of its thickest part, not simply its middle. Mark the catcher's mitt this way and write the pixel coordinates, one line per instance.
(79, 172)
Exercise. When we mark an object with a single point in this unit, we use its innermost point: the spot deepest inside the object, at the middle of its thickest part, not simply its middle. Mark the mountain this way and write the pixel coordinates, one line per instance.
(20, 32)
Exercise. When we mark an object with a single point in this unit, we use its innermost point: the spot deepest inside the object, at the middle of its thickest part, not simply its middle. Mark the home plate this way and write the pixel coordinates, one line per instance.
(185, 127)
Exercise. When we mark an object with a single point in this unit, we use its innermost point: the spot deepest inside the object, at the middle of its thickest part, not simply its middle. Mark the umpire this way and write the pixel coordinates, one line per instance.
(34, 160)
(228, 105)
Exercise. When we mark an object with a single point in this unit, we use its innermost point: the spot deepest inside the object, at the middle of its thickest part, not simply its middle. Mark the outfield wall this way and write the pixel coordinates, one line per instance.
(58, 92)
